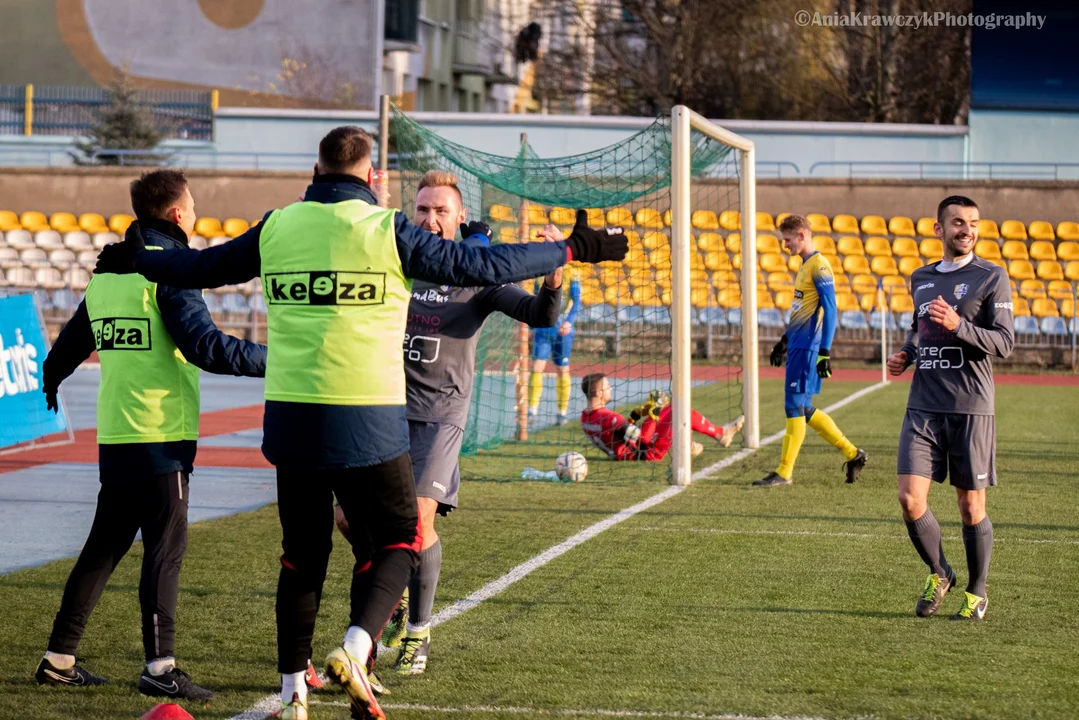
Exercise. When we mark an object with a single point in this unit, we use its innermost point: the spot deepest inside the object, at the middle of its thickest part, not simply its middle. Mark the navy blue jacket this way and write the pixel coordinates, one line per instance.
(315, 436)
(202, 344)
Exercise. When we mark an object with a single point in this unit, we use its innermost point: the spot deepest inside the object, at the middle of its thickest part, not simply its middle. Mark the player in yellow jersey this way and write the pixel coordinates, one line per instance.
(806, 345)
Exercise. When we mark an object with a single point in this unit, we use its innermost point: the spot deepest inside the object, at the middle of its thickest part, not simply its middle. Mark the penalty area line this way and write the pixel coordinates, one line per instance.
(569, 712)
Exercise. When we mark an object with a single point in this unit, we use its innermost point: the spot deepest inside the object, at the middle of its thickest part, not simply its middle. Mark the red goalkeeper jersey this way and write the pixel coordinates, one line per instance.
(607, 431)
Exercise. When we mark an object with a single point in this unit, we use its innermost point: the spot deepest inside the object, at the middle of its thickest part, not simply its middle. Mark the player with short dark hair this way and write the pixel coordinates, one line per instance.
(963, 321)
(806, 347)
(648, 432)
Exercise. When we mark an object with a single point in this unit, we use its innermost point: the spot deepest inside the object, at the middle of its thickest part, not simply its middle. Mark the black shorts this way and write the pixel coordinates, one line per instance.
(435, 448)
(962, 448)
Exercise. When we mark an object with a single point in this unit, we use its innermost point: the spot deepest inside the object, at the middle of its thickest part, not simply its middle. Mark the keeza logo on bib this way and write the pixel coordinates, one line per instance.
(325, 287)
(121, 333)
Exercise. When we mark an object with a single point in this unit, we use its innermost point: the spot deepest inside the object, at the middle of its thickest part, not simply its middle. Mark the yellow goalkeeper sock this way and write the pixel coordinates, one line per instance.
(792, 443)
(535, 390)
(825, 426)
(562, 390)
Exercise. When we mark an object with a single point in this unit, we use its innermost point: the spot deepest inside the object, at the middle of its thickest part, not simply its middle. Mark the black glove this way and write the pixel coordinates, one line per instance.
(119, 258)
(824, 363)
(476, 228)
(779, 352)
(51, 402)
(596, 246)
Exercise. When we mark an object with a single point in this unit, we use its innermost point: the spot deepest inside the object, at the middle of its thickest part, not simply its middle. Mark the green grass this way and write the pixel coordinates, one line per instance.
(724, 599)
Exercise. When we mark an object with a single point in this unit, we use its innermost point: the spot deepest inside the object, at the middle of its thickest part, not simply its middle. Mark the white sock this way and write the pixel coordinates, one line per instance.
(293, 684)
(416, 629)
(357, 643)
(161, 665)
(60, 662)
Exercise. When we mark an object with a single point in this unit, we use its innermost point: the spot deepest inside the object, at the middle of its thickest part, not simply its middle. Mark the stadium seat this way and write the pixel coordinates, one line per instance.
(1022, 307)
(925, 227)
(726, 278)
(564, 216)
(61, 258)
(644, 295)
(234, 227)
(34, 257)
(784, 299)
(851, 245)
(596, 218)
(863, 284)
(1060, 290)
(668, 218)
(764, 299)
(780, 281)
(63, 222)
(834, 262)
(19, 238)
(1066, 230)
(736, 261)
(1041, 230)
(219, 240)
(20, 276)
(824, 244)
(875, 320)
(894, 284)
(853, 320)
(729, 297)
(1032, 289)
(77, 240)
(768, 244)
(76, 278)
(932, 249)
(780, 217)
(49, 278)
(846, 301)
(1042, 250)
(908, 265)
(884, 266)
(1026, 325)
(653, 240)
(1044, 307)
(1068, 250)
(845, 224)
(772, 262)
(632, 237)
(734, 243)
(1014, 250)
(649, 218)
(197, 242)
(92, 223)
(9, 221)
(502, 213)
(901, 226)
(794, 263)
(711, 316)
(507, 234)
(856, 265)
(878, 246)
(987, 249)
(1054, 326)
(9, 258)
(770, 318)
(817, 223)
(717, 260)
(1021, 270)
(869, 301)
(905, 247)
(537, 215)
(709, 242)
(765, 222)
(874, 225)
(619, 294)
(1050, 270)
(1068, 307)
(901, 304)
(48, 239)
(636, 259)
(65, 300)
(730, 220)
(704, 220)
(34, 221)
(1013, 230)
(87, 259)
(842, 284)
(118, 223)
(1071, 272)
(988, 230)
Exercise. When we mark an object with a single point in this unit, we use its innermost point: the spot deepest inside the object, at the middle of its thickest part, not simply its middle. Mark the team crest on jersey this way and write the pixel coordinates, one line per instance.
(444, 288)
(961, 290)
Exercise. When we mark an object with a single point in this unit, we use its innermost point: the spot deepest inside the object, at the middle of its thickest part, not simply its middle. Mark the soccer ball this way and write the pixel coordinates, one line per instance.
(571, 467)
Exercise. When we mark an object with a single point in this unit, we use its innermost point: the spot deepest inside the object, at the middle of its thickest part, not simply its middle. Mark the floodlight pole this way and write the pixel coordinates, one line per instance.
(384, 133)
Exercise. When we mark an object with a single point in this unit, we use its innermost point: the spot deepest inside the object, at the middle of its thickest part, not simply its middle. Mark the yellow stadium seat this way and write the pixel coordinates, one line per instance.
(209, 227)
(878, 246)
(1021, 270)
(931, 249)
(987, 249)
(842, 283)
(1071, 272)
(1013, 230)
(908, 265)
(794, 263)
(502, 213)
(817, 223)
(1031, 289)
(862, 284)
(768, 244)
(563, 216)
(633, 239)
(856, 265)
(537, 215)
(1060, 289)
(591, 296)
(845, 224)
(905, 247)
(773, 262)
(1068, 250)
(1014, 250)
(636, 259)
(784, 299)
(1068, 230)
(508, 234)
(653, 239)
(901, 226)
(235, 227)
(660, 258)
(723, 278)
(901, 304)
(874, 225)
(1044, 307)
(1041, 230)
(92, 223)
(596, 217)
(998, 263)
(707, 242)
(925, 227)
(730, 297)
(846, 301)
(704, 220)
(63, 222)
(736, 261)
(649, 218)
(734, 242)
(696, 261)
(780, 281)
(1068, 307)
(730, 220)
(717, 260)
(644, 295)
(884, 266)
(833, 262)
(988, 230)
(118, 223)
(668, 218)
(620, 216)
(9, 221)
(618, 295)
(1050, 270)
(894, 284)
(765, 222)
(1042, 250)
(851, 245)
(34, 221)
(1021, 306)
(764, 299)
(824, 244)
(870, 301)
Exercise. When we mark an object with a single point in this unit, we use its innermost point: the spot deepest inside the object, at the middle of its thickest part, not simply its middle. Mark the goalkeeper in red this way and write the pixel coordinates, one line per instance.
(647, 434)
(806, 346)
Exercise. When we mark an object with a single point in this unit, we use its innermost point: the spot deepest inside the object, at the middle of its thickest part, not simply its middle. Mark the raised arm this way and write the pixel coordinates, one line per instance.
(231, 263)
(188, 321)
(994, 333)
(539, 310)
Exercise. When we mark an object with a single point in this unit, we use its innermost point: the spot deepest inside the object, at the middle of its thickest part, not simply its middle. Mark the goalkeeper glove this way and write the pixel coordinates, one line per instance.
(779, 352)
(633, 434)
(824, 363)
(658, 398)
(595, 246)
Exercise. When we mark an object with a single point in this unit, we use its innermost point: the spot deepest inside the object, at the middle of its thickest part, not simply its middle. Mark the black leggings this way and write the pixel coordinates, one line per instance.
(379, 503)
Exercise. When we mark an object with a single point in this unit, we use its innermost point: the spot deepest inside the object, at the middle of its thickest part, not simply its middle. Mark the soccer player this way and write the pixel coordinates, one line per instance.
(151, 340)
(441, 336)
(963, 321)
(806, 346)
(555, 343)
(648, 433)
(337, 272)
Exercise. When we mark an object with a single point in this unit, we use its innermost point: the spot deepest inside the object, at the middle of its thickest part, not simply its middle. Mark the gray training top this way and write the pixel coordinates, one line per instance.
(441, 335)
(954, 371)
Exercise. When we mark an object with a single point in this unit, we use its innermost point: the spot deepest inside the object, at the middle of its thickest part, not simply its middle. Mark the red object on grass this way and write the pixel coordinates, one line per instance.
(167, 711)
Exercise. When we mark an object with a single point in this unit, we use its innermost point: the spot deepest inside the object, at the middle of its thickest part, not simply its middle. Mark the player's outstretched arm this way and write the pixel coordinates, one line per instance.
(74, 344)
(993, 331)
(202, 344)
(538, 311)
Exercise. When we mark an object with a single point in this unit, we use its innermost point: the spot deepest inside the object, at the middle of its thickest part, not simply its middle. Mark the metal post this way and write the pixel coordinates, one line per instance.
(883, 339)
(384, 132)
(28, 111)
(681, 459)
(747, 185)
(522, 329)
(215, 99)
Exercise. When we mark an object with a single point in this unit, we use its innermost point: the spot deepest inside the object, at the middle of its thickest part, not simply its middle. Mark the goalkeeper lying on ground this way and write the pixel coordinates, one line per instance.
(647, 433)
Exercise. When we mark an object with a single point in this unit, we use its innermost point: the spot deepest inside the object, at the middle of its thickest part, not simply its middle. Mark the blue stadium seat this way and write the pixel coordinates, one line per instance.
(734, 316)
(712, 316)
(874, 320)
(904, 320)
(853, 320)
(1026, 325)
(655, 315)
(770, 317)
(65, 300)
(234, 303)
(213, 302)
(44, 302)
(629, 314)
(258, 303)
(1055, 326)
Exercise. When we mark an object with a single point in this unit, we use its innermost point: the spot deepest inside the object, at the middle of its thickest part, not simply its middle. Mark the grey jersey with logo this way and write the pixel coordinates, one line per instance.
(954, 370)
(441, 335)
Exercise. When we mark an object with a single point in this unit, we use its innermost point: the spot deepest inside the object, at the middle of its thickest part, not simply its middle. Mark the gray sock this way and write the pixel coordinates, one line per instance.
(421, 588)
(925, 534)
(978, 540)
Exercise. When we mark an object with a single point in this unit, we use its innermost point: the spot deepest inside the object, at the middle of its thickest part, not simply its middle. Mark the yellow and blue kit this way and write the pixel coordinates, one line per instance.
(811, 327)
(546, 342)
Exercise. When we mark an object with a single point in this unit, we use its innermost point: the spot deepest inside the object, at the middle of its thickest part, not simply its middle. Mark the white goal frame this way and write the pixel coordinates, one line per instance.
(683, 122)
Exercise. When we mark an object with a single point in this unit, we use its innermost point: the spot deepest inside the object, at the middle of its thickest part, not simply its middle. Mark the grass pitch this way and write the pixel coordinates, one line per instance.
(726, 599)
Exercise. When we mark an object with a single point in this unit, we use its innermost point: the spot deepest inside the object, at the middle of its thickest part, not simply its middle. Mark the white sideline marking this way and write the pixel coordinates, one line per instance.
(563, 712)
(816, 533)
(273, 702)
